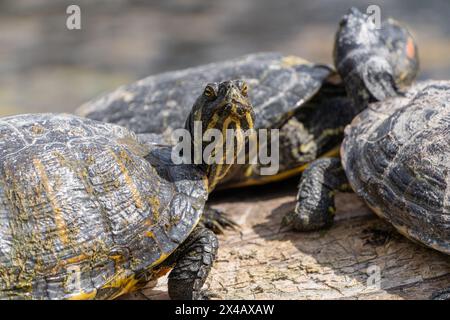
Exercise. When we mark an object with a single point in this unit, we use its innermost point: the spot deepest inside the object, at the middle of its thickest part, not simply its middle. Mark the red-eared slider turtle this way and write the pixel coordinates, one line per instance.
(89, 211)
(308, 102)
(371, 72)
(279, 86)
(394, 156)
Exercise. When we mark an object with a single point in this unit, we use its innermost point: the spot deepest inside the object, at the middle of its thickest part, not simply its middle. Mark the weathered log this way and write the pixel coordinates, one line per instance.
(260, 262)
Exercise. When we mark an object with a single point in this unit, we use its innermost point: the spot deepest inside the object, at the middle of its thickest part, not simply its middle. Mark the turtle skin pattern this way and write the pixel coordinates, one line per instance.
(86, 210)
(395, 155)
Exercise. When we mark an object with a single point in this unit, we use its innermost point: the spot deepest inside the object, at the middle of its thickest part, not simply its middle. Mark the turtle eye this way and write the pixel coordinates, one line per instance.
(244, 89)
(210, 92)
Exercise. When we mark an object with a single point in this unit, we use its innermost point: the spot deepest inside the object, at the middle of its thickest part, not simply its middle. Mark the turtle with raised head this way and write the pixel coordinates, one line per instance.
(375, 64)
(394, 156)
(90, 211)
(307, 102)
(279, 84)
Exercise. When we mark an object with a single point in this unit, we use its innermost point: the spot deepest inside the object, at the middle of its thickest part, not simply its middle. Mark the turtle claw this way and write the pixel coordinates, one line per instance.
(286, 223)
(217, 221)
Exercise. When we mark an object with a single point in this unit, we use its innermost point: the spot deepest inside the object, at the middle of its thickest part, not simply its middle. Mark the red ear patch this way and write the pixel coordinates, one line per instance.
(410, 50)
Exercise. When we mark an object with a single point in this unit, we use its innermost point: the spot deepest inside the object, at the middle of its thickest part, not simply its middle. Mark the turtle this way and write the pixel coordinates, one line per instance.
(394, 156)
(370, 72)
(92, 210)
(279, 86)
(307, 102)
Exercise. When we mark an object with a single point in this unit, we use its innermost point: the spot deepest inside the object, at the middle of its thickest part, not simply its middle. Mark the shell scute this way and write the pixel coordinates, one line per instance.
(73, 193)
(396, 158)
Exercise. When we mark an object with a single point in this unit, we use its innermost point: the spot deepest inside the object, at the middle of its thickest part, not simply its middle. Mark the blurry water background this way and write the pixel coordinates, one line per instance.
(46, 67)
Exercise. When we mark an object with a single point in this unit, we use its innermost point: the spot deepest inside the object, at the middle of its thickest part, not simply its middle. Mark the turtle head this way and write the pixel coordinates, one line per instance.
(374, 61)
(355, 30)
(221, 118)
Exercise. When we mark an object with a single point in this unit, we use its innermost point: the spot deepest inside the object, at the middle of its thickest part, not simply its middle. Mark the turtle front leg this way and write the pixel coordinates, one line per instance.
(315, 199)
(216, 220)
(192, 265)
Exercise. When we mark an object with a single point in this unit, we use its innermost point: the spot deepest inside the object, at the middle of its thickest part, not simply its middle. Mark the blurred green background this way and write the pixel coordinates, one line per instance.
(45, 67)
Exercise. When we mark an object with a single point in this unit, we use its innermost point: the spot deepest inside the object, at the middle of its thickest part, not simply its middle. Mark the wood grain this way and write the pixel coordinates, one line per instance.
(260, 262)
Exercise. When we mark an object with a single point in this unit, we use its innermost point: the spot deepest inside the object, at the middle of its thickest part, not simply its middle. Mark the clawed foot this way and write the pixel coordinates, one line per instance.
(315, 199)
(193, 263)
(217, 221)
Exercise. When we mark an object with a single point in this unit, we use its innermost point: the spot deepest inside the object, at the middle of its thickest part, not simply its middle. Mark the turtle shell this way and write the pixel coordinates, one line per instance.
(85, 208)
(158, 104)
(395, 155)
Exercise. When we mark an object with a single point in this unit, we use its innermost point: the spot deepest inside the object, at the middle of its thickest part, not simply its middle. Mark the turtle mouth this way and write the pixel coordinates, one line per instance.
(241, 116)
(234, 112)
(237, 109)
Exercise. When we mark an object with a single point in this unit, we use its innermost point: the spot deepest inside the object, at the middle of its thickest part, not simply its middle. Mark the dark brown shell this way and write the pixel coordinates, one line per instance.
(82, 212)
